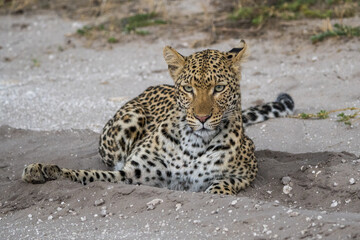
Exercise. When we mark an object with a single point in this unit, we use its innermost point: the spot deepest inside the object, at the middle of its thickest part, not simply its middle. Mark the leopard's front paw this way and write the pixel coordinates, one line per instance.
(40, 173)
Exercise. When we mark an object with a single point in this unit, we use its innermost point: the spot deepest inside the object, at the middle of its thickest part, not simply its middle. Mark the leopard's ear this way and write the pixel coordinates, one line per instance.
(174, 60)
(238, 55)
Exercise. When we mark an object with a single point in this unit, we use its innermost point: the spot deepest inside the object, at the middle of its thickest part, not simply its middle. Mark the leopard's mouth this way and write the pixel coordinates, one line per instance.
(204, 130)
(206, 134)
(199, 127)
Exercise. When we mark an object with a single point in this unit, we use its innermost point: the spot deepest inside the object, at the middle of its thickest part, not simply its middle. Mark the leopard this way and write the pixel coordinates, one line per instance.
(188, 136)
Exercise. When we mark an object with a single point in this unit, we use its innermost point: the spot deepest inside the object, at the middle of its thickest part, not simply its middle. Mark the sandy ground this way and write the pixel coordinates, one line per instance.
(54, 92)
(322, 203)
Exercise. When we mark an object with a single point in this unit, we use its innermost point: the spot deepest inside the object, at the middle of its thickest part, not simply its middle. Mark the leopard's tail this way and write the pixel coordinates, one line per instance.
(281, 107)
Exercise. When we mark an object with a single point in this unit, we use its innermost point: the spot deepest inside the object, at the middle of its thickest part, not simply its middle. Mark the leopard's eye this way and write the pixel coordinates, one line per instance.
(188, 88)
(219, 88)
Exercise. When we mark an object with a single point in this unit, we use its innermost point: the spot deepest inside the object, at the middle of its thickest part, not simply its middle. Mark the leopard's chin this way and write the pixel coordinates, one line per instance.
(205, 132)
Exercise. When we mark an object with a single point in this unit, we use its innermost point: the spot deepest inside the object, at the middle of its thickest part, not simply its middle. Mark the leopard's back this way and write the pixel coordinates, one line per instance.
(135, 121)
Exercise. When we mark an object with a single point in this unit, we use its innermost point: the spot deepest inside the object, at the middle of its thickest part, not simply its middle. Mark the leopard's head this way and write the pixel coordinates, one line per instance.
(207, 84)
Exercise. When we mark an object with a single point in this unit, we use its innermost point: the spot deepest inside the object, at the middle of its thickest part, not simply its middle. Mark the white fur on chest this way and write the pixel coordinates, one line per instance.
(193, 169)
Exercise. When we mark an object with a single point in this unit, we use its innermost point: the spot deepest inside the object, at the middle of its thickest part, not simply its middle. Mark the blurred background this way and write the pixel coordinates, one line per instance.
(116, 21)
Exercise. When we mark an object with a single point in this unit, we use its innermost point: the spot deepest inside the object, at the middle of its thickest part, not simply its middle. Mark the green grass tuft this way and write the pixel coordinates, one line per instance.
(243, 13)
(305, 115)
(323, 114)
(130, 24)
(346, 118)
(109, 30)
(318, 13)
(339, 30)
(35, 62)
(112, 40)
(84, 31)
(142, 32)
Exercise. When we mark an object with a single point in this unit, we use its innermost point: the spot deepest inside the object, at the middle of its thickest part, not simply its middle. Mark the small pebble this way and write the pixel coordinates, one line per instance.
(257, 206)
(352, 181)
(83, 219)
(356, 161)
(233, 203)
(103, 212)
(287, 189)
(152, 204)
(178, 206)
(214, 212)
(99, 202)
(50, 217)
(286, 180)
(334, 203)
(303, 232)
(294, 214)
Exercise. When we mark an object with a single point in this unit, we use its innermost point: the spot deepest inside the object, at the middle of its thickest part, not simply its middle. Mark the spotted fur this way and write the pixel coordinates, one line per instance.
(189, 136)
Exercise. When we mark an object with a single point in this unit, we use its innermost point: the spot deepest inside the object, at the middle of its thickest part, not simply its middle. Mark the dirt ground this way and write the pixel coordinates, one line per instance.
(321, 204)
(56, 94)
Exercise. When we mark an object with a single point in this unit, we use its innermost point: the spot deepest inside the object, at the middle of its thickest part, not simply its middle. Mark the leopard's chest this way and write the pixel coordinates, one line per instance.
(194, 164)
(194, 175)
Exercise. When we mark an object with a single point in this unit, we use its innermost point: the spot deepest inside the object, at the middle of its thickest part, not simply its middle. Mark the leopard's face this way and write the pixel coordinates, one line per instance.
(207, 89)
(207, 85)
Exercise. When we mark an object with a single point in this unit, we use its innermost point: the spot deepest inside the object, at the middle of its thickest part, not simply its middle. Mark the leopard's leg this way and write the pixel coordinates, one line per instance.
(137, 171)
(283, 106)
(40, 173)
(121, 133)
(230, 186)
(245, 168)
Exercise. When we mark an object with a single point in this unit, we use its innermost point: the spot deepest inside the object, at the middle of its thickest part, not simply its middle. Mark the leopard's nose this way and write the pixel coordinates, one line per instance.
(202, 118)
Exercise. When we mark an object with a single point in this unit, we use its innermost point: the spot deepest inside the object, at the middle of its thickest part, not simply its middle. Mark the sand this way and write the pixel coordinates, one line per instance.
(63, 209)
(54, 103)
